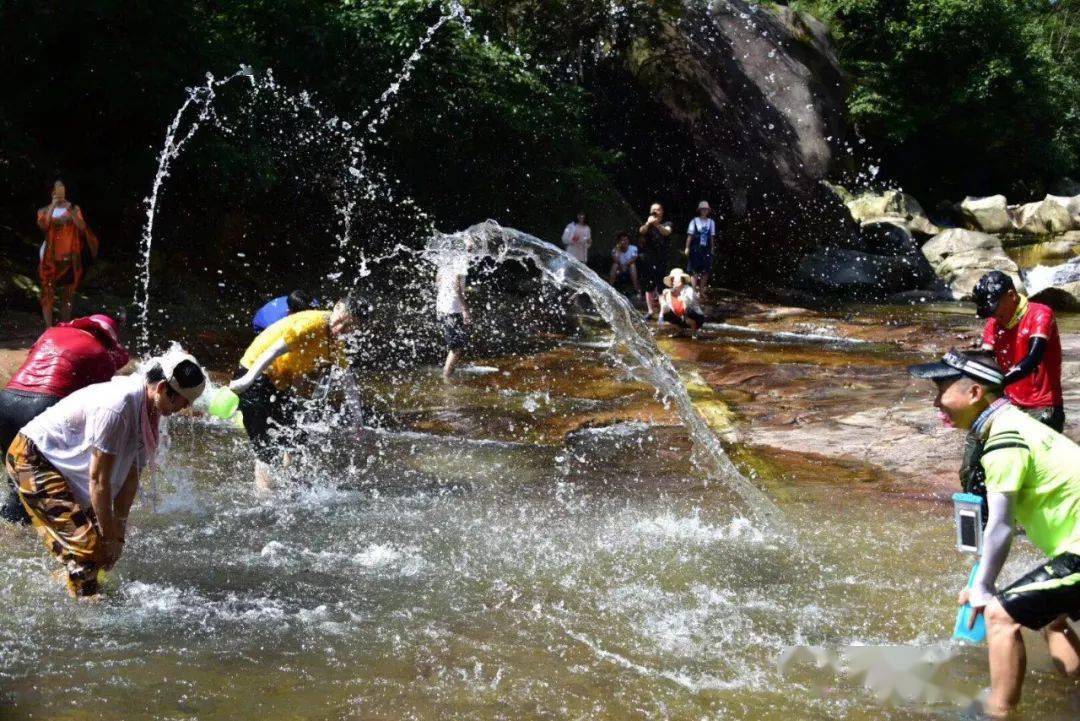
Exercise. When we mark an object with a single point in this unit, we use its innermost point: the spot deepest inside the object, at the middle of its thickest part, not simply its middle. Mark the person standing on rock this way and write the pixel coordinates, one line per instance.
(1024, 338)
(654, 253)
(700, 243)
(76, 466)
(577, 237)
(64, 359)
(1032, 480)
(68, 241)
(452, 311)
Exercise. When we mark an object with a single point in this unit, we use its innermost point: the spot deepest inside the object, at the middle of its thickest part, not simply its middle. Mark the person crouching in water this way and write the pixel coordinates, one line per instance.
(1032, 480)
(76, 466)
(678, 304)
(279, 369)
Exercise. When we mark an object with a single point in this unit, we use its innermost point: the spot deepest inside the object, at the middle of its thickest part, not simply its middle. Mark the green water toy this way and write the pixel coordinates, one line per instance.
(224, 403)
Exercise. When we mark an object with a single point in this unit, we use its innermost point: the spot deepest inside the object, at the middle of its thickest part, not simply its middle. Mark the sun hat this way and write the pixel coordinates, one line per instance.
(676, 273)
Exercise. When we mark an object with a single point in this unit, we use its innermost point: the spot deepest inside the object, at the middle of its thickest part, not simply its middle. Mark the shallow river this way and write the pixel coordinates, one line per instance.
(421, 575)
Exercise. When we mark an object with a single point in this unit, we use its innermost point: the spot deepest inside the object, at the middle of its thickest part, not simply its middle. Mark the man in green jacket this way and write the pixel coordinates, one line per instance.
(1032, 480)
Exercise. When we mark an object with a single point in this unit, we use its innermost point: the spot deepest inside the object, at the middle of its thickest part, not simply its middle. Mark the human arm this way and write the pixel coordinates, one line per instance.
(123, 501)
(568, 234)
(997, 539)
(1036, 351)
(664, 228)
(989, 333)
(101, 500)
(241, 384)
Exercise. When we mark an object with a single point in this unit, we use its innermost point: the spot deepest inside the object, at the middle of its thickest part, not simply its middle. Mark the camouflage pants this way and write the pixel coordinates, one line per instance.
(69, 531)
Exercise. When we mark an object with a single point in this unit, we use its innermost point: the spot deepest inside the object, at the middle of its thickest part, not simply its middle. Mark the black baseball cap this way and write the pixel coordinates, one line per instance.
(955, 364)
(989, 291)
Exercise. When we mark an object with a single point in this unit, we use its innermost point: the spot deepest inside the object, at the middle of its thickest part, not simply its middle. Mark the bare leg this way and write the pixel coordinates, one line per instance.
(48, 299)
(66, 303)
(705, 280)
(652, 302)
(613, 274)
(263, 482)
(634, 278)
(1064, 646)
(1008, 660)
(452, 359)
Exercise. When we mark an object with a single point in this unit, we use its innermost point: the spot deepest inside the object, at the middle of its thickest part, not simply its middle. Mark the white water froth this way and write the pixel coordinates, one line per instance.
(1042, 277)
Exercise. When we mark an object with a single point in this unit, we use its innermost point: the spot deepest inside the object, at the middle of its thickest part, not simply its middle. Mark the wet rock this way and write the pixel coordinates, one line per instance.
(1071, 203)
(1064, 297)
(1043, 217)
(892, 206)
(989, 214)
(838, 270)
(960, 257)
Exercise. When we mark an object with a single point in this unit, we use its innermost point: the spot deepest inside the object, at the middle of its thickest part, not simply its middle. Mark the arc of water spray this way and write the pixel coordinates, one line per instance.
(203, 97)
(489, 239)
(355, 168)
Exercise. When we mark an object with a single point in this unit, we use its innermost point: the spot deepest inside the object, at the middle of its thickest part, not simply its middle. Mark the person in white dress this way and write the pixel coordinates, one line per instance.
(577, 237)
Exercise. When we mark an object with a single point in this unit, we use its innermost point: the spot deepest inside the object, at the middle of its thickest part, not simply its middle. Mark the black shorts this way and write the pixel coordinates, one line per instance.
(269, 418)
(1049, 591)
(681, 320)
(17, 408)
(651, 275)
(1052, 416)
(455, 335)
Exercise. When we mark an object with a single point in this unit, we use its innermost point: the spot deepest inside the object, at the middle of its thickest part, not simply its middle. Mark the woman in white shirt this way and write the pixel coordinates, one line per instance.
(76, 466)
(679, 303)
(577, 237)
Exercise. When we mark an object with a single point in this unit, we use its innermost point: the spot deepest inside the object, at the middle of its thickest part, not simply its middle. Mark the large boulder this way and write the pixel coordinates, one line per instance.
(893, 206)
(989, 214)
(1071, 203)
(1057, 286)
(1043, 217)
(855, 272)
(742, 104)
(960, 257)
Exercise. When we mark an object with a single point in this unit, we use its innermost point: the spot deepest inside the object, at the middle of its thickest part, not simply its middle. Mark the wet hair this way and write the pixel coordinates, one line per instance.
(300, 300)
(354, 306)
(186, 374)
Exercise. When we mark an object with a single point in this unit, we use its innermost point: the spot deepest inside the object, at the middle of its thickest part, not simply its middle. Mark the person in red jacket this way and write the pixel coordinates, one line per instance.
(1024, 338)
(64, 359)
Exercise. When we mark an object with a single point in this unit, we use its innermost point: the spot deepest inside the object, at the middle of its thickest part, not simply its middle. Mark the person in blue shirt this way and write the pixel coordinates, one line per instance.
(280, 307)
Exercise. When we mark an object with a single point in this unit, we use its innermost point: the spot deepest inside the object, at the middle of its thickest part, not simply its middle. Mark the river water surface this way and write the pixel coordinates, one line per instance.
(530, 543)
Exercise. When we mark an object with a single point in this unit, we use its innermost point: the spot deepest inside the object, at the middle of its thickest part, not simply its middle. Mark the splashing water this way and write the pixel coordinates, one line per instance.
(1042, 277)
(632, 340)
(357, 177)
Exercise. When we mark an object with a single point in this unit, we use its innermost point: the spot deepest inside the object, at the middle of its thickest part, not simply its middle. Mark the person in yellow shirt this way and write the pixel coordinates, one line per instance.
(279, 369)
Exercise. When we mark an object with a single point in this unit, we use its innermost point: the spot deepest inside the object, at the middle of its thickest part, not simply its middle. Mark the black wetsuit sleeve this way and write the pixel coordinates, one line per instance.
(1036, 351)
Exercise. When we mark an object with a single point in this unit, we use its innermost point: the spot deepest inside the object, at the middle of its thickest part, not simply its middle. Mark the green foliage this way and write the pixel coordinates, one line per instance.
(964, 96)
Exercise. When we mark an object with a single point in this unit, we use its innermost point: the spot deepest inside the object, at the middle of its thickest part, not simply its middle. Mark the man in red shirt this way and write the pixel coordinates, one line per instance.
(64, 359)
(1024, 338)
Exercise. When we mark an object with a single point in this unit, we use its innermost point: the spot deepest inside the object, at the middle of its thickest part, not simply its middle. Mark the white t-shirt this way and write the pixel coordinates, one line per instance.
(448, 299)
(105, 416)
(577, 239)
(625, 258)
(686, 295)
(702, 230)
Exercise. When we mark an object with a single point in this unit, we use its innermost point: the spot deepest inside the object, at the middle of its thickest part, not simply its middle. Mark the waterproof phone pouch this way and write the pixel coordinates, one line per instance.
(963, 618)
(967, 510)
